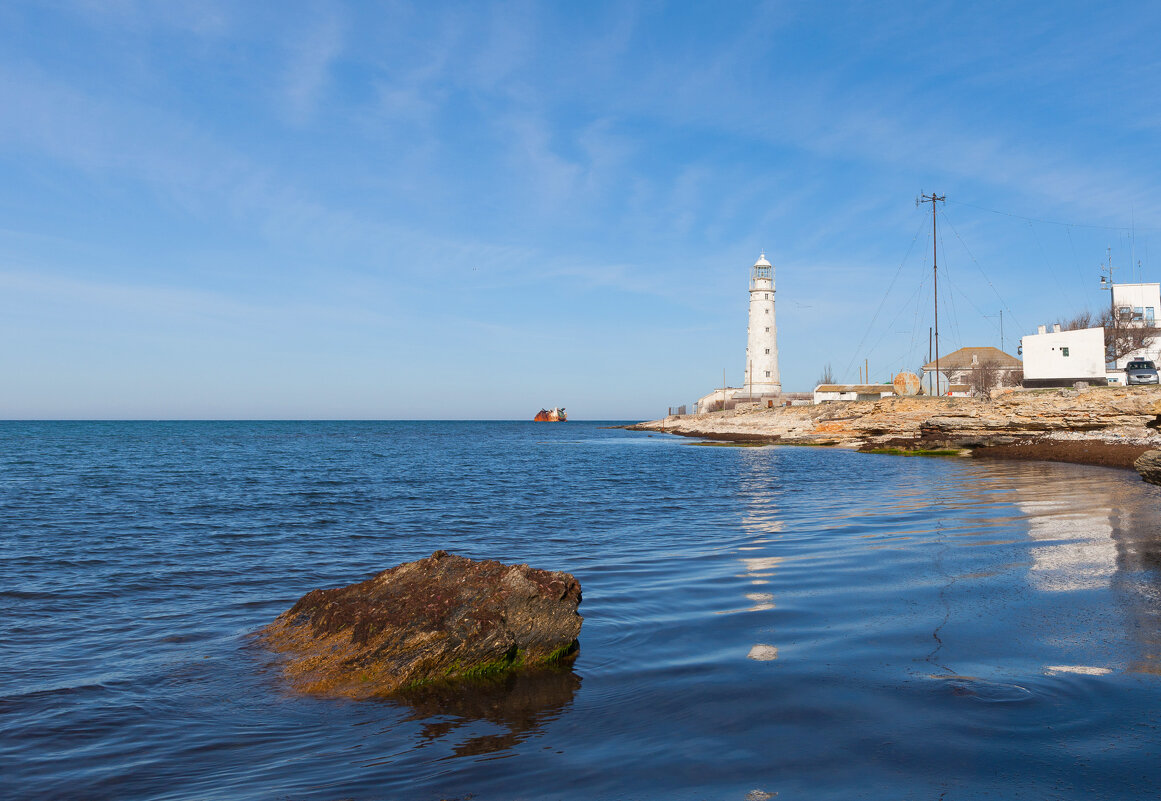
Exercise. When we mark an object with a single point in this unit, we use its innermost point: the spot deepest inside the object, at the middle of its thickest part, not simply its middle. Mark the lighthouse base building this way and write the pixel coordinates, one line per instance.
(761, 383)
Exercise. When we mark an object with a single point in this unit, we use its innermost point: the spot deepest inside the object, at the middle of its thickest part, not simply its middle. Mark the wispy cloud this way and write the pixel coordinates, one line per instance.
(415, 167)
(204, 18)
(312, 50)
(499, 58)
(111, 299)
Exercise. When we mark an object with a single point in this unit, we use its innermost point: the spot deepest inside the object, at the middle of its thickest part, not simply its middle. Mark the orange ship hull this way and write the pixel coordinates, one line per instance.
(550, 416)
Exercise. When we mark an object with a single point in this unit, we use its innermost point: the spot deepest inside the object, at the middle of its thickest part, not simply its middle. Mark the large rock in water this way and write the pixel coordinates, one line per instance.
(1148, 464)
(436, 619)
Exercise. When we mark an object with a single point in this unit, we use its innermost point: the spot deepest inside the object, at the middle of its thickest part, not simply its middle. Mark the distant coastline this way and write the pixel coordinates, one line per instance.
(1109, 426)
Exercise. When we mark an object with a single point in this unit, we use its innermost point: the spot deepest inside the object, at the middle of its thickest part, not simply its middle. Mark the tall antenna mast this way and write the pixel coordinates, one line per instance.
(1001, 316)
(932, 199)
(1133, 242)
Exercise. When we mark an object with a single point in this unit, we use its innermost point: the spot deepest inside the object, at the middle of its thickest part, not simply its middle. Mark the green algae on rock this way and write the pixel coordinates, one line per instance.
(439, 619)
(740, 443)
(919, 451)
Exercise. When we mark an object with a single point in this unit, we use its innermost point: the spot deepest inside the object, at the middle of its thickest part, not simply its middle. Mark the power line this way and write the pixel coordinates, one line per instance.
(902, 307)
(950, 295)
(979, 267)
(1075, 257)
(899, 269)
(1044, 256)
(972, 303)
(915, 320)
(1051, 222)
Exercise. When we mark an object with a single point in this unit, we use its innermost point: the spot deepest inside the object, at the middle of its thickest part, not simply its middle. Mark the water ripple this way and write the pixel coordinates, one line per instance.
(820, 623)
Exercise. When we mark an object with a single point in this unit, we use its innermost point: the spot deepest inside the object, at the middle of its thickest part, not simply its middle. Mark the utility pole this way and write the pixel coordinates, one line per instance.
(933, 199)
(930, 391)
(1112, 304)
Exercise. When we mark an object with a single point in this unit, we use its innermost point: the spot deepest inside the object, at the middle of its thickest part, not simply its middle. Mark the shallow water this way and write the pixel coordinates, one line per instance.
(813, 623)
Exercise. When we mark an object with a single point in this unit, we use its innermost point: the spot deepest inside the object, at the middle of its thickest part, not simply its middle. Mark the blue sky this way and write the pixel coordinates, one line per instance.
(429, 210)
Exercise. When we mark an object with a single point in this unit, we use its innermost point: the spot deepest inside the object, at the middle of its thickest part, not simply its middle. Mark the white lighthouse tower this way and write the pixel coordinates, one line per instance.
(762, 335)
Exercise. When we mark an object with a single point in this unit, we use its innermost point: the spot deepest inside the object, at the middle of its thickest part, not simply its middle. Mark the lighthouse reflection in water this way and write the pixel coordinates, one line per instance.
(809, 622)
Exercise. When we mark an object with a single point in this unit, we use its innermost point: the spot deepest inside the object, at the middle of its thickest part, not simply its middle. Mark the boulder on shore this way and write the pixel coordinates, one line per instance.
(1148, 464)
(436, 619)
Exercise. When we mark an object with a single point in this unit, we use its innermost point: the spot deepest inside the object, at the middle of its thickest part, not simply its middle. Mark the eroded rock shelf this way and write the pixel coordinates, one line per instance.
(1099, 425)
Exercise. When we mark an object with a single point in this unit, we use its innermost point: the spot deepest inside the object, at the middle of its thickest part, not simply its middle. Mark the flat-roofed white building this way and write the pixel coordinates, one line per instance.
(1136, 305)
(1061, 358)
(850, 392)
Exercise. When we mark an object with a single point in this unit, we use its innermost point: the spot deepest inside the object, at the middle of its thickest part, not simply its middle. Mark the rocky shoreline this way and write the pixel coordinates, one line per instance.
(1109, 426)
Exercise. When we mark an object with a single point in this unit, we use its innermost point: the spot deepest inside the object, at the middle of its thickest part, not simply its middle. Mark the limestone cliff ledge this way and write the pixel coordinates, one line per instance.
(1096, 425)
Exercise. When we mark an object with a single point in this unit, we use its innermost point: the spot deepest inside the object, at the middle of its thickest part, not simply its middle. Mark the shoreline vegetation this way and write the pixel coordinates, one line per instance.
(1106, 426)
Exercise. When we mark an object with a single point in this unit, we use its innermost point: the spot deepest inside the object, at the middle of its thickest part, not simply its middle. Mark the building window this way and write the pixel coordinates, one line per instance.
(767, 329)
(767, 351)
(1064, 351)
(1149, 314)
(767, 296)
(767, 373)
(767, 311)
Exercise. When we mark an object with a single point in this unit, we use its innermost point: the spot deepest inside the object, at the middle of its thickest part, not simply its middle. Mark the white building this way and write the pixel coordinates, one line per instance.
(850, 392)
(1136, 305)
(1060, 358)
(762, 334)
(715, 401)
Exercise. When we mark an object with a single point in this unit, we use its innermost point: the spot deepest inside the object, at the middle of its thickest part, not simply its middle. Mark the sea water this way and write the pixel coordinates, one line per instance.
(807, 622)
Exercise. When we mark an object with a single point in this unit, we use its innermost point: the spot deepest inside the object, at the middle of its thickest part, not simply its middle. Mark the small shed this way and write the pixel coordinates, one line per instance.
(850, 392)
